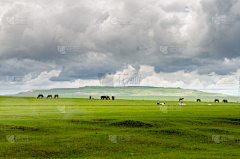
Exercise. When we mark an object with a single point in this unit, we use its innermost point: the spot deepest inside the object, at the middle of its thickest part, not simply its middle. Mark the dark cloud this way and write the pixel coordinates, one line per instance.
(83, 38)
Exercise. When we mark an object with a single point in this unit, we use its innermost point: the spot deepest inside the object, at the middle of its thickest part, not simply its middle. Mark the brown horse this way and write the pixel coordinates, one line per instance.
(40, 96)
(56, 96)
(113, 97)
(216, 100)
(198, 100)
(49, 96)
(225, 101)
(90, 97)
(180, 99)
(107, 98)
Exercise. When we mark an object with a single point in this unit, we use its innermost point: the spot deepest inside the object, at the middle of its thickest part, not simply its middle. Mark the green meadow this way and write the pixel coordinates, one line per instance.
(155, 98)
(123, 128)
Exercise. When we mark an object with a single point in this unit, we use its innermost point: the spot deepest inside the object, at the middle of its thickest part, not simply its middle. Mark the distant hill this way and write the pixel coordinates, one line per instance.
(124, 91)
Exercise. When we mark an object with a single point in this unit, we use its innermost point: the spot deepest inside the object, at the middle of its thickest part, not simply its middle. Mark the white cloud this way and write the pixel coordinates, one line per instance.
(131, 45)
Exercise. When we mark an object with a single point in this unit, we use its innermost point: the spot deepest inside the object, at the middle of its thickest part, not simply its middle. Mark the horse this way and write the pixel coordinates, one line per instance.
(49, 96)
(181, 103)
(103, 97)
(180, 99)
(40, 96)
(216, 100)
(107, 98)
(225, 101)
(161, 103)
(198, 100)
(56, 96)
(113, 97)
(90, 97)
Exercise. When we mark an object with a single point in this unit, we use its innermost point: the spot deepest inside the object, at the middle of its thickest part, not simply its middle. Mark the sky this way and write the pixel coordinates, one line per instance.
(192, 44)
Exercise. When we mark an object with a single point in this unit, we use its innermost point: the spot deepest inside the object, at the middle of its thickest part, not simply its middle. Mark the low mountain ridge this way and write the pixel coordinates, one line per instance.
(124, 91)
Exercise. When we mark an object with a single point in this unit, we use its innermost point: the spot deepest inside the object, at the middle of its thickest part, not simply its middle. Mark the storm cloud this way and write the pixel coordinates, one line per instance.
(175, 43)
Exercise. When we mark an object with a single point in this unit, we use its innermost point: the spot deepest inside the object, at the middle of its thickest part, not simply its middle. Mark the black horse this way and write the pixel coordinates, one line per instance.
(40, 96)
(103, 97)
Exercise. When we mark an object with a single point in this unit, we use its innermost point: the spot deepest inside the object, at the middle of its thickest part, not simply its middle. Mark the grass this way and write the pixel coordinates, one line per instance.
(156, 98)
(83, 128)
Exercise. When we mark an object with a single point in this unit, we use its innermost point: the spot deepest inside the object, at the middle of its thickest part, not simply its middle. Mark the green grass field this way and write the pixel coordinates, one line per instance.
(83, 128)
(156, 98)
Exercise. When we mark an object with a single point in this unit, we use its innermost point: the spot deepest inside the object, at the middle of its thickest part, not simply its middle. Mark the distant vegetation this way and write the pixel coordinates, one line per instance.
(123, 91)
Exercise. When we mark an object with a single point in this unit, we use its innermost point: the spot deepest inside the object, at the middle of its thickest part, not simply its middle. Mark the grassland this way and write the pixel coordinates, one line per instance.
(154, 98)
(83, 128)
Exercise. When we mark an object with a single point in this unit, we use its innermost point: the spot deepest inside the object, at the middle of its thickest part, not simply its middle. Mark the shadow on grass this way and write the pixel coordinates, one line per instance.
(132, 123)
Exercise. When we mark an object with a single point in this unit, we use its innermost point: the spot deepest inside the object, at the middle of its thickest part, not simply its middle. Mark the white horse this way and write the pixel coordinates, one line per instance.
(181, 103)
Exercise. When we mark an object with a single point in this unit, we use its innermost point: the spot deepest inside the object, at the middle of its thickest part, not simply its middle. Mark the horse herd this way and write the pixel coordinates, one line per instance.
(104, 97)
(107, 97)
(49, 96)
(56, 96)
(113, 97)
(215, 100)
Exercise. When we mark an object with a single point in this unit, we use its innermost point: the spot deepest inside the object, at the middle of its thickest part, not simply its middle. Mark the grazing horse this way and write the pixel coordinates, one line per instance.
(225, 101)
(107, 98)
(103, 97)
(56, 96)
(113, 97)
(90, 97)
(216, 100)
(180, 99)
(49, 96)
(198, 100)
(40, 96)
(181, 103)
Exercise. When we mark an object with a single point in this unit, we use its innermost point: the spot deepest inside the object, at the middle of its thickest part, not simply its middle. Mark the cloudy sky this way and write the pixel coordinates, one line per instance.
(191, 44)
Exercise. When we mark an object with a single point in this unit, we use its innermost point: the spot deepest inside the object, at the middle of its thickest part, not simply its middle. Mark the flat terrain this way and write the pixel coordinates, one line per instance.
(83, 128)
(155, 98)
